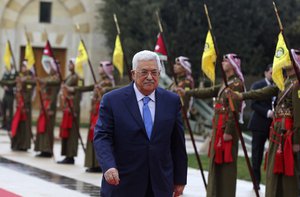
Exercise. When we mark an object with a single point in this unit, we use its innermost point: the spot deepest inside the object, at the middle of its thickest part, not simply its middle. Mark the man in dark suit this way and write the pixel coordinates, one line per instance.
(139, 138)
(260, 122)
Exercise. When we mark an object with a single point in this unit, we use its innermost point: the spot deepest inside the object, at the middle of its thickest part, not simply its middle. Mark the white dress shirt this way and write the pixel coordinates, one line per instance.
(151, 104)
(270, 111)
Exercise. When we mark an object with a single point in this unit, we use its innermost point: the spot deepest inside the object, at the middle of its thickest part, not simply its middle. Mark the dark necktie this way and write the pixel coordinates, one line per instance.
(147, 116)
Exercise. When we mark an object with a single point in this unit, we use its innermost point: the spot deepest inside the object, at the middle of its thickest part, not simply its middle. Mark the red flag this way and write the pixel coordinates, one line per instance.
(160, 47)
(47, 58)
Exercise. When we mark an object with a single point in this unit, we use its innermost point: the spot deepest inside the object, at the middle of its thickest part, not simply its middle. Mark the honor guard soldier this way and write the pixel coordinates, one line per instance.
(8, 83)
(183, 73)
(223, 147)
(105, 84)
(69, 127)
(281, 160)
(21, 124)
(50, 87)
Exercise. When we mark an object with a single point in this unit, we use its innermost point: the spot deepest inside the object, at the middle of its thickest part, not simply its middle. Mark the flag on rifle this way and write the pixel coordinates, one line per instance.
(281, 59)
(29, 55)
(47, 58)
(209, 57)
(82, 58)
(118, 56)
(160, 48)
(7, 58)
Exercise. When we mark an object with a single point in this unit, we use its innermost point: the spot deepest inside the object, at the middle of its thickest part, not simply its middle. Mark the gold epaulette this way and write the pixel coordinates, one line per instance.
(235, 82)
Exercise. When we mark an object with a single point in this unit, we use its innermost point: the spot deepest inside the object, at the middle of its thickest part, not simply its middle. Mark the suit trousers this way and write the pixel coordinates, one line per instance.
(149, 192)
(258, 146)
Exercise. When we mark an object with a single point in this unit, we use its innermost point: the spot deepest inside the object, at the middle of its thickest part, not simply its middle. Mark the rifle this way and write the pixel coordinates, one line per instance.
(125, 59)
(233, 110)
(89, 62)
(285, 40)
(69, 104)
(183, 108)
(38, 85)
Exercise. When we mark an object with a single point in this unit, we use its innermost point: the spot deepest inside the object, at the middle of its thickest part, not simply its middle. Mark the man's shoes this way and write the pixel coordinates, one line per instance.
(94, 169)
(67, 160)
(45, 155)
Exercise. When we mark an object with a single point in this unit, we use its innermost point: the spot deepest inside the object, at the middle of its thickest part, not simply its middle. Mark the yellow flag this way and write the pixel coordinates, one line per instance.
(82, 58)
(118, 56)
(281, 59)
(209, 57)
(7, 56)
(29, 55)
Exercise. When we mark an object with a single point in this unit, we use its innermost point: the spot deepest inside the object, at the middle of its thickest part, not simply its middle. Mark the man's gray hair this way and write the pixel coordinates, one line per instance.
(144, 56)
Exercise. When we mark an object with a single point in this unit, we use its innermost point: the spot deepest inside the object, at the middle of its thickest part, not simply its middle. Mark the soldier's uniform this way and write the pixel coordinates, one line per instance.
(183, 72)
(281, 163)
(186, 84)
(50, 87)
(8, 83)
(223, 154)
(106, 83)
(69, 129)
(21, 124)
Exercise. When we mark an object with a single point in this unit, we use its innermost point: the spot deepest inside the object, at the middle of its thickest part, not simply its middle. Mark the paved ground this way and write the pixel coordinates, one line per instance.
(24, 174)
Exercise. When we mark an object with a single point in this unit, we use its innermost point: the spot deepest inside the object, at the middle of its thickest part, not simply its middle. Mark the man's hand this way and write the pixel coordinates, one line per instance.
(270, 114)
(227, 137)
(180, 91)
(112, 176)
(178, 190)
(234, 94)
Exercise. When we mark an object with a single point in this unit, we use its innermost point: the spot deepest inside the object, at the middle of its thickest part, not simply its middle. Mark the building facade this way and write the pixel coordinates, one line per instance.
(63, 23)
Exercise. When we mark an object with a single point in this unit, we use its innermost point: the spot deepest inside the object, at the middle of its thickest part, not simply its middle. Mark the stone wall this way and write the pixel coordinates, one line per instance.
(16, 15)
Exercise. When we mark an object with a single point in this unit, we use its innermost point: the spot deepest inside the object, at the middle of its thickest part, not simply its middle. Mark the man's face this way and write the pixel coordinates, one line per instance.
(101, 73)
(146, 76)
(178, 69)
(268, 74)
(226, 64)
(71, 66)
(23, 68)
(100, 70)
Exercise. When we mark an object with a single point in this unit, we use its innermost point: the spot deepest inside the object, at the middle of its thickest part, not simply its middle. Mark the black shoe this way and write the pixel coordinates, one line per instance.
(67, 160)
(44, 154)
(95, 169)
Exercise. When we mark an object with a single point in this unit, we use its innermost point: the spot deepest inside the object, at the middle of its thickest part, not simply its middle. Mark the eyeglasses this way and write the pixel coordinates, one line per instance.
(145, 73)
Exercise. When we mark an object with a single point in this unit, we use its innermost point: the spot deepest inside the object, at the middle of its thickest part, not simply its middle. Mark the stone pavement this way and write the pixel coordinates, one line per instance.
(26, 175)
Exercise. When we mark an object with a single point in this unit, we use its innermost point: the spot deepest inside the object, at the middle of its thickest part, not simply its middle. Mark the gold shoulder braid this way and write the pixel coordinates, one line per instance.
(235, 81)
(287, 90)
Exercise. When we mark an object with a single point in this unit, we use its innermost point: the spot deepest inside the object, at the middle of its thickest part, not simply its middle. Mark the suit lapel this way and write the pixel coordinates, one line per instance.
(131, 103)
(159, 108)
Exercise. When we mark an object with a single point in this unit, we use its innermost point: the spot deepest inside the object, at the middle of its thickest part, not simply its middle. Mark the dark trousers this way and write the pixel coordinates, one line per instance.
(7, 107)
(149, 192)
(258, 144)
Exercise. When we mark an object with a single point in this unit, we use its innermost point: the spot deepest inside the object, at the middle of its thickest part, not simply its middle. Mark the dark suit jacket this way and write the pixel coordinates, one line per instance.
(259, 120)
(120, 141)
